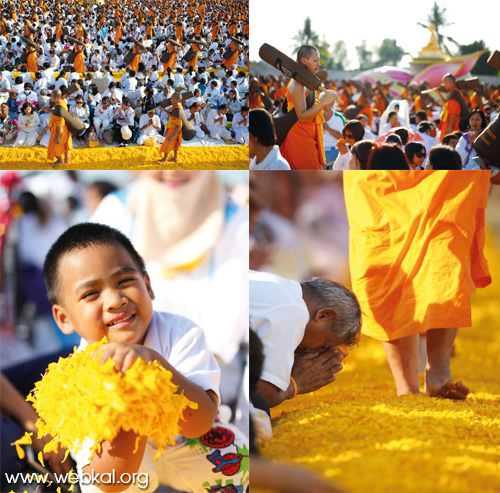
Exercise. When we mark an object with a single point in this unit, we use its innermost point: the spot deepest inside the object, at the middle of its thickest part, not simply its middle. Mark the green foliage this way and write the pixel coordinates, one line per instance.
(305, 37)
(389, 52)
(339, 56)
(365, 56)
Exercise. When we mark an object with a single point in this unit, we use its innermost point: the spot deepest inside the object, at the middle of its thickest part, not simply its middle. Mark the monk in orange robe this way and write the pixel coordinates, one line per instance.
(453, 108)
(232, 60)
(195, 47)
(79, 60)
(119, 33)
(59, 31)
(173, 57)
(173, 134)
(134, 64)
(31, 63)
(60, 137)
(416, 255)
(303, 146)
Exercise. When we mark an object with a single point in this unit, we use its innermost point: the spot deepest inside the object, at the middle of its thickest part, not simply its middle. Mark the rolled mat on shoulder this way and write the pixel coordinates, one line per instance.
(288, 67)
(188, 130)
(75, 125)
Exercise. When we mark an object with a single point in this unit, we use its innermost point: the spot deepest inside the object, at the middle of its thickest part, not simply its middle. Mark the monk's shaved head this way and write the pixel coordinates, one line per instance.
(305, 51)
(56, 95)
(176, 97)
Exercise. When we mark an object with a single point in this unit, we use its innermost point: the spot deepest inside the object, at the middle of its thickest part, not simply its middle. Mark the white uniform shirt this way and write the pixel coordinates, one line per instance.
(183, 345)
(279, 315)
(274, 160)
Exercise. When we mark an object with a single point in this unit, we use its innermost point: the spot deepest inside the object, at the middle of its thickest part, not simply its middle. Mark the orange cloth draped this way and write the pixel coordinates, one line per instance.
(171, 126)
(367, 110)
(194, 62)
(344, 99)
(31, 63)
(79, 32)
(303, 146)
(476, 102)
(197, 29)
(234, 58)
(215, 30)
(56, 150)
(232, 29)
(119, 34)
(134, 64)
(379, 103)
(172, 59)
(79, 63)
(451, 107)
(416, 248)
(149, 30)
(179, 32)
(59, 32)
(256, 102)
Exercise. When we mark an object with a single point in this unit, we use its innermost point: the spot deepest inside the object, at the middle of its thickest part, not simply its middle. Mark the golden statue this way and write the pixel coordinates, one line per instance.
(433, 44)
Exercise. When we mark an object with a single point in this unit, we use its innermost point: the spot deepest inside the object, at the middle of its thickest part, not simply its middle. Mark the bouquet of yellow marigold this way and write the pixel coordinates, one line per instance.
(79, 398)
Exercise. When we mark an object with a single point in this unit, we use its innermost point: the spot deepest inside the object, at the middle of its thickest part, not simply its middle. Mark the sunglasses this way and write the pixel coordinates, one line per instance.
(420, 154)
(349, 136)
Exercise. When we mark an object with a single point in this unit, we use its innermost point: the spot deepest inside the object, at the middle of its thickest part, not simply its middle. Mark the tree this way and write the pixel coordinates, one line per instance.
(305, 37)
(364, 56)
(438, 18)
(481, 67)
(339, 56)
(390, 53)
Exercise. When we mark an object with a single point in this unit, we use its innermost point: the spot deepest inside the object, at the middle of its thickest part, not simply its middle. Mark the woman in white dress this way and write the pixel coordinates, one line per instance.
(29, 125)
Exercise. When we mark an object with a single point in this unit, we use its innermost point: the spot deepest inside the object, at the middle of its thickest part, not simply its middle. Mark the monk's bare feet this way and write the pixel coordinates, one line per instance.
(439, 384)
(172, 160)
(58, 162)
(164, 160)
(66, 161)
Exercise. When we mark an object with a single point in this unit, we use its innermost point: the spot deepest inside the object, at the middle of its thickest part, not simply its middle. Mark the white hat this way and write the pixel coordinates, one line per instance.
(126, 133)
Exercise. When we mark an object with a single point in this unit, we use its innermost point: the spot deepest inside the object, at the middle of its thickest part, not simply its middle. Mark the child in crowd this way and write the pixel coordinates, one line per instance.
(98, 286)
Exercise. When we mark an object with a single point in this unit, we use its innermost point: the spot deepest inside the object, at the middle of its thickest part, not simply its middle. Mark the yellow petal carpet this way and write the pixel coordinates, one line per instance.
(359, 434)
(98, 401)
(138, 157)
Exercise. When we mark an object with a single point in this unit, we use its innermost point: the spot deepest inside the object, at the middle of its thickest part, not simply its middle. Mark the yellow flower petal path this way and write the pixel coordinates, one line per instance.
(79, 398)
(216, 157)
(357, 432)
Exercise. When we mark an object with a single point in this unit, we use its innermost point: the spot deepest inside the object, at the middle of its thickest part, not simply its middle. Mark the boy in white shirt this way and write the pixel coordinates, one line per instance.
(98, 286)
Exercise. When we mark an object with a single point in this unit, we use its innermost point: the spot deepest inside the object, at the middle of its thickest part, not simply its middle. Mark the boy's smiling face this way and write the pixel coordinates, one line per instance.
(103, 293)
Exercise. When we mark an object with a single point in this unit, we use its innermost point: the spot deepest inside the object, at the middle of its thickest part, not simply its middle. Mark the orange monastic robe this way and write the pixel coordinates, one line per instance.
(416, 248)
(79, 63)
(234, 58)
(194, 62)
(171, 126)
(134, 64)
(59, 31)
(303, 146)
(55, 150)
(31, 63)
(172, 59)
(119, 34)
(451, 107)
(215, 30)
